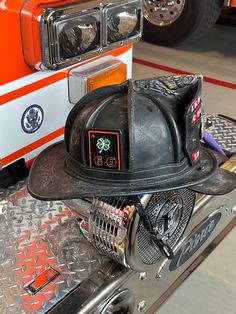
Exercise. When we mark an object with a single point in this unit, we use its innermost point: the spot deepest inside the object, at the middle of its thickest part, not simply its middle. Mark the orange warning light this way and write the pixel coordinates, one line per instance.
(116, 75)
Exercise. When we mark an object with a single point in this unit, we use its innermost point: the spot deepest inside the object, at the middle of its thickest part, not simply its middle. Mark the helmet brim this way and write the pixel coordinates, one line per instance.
(48, 179)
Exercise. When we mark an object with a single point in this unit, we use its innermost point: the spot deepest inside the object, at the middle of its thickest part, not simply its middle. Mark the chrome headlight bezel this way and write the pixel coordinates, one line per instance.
(50, 42)
(41, 46)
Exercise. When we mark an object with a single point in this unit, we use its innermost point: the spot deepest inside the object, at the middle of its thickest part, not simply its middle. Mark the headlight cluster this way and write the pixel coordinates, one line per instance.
(77, 32)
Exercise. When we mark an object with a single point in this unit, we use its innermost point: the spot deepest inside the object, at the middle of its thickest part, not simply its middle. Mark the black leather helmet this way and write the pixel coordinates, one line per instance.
(137, 137)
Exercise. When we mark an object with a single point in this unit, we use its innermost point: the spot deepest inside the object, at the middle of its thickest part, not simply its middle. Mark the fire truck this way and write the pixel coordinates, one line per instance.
(170, 23)
(53, 53)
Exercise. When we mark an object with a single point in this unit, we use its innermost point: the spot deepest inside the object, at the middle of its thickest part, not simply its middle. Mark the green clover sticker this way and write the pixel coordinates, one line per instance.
(103, 144)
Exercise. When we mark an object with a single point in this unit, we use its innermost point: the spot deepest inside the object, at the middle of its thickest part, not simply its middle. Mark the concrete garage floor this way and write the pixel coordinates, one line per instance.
(212, 287)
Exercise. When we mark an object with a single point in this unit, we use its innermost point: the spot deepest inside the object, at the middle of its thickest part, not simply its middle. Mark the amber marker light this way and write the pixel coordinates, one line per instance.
(103, 71)
(113, 76)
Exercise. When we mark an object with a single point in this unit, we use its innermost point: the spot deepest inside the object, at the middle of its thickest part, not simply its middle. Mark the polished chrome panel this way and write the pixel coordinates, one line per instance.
(223, 130)
(34, 236)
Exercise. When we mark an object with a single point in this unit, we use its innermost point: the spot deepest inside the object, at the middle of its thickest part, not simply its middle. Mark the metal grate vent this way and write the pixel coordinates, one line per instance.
(173, 207)
(108, 226)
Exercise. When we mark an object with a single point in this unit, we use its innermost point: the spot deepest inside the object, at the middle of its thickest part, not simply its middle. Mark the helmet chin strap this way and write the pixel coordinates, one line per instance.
(155, 236)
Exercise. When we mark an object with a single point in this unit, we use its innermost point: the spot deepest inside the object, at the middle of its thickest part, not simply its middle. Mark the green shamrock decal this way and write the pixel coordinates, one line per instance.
(103, 144)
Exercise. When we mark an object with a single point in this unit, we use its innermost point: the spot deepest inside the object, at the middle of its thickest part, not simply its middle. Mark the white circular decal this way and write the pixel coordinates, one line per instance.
(32, 119)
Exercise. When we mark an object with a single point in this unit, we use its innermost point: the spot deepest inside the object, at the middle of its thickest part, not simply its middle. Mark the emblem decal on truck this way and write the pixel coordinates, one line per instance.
(32, 119)
(194, 241)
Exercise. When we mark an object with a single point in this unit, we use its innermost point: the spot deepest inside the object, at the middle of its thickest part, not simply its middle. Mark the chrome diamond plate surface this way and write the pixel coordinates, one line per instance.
(222, 130)
(36, 235)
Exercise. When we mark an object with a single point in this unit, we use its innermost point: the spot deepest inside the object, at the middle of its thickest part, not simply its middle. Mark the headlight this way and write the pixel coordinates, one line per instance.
(78, 36)
(71, 38)
(55, 36)
(123, 22)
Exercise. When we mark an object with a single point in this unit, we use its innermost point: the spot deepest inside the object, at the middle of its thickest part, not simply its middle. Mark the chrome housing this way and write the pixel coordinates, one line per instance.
(53, 19)
(115, 229)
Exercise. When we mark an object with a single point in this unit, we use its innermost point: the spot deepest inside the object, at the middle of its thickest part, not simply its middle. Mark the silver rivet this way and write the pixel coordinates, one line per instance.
(142, 306)
(158, 276)
(142, 276)
(233, 210)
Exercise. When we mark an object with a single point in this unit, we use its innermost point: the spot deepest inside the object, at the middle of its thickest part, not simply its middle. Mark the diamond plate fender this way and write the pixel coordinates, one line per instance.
(34, 236)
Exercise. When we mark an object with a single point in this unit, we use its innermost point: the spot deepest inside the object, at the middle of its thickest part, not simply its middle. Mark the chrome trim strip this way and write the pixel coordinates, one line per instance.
(228, 3)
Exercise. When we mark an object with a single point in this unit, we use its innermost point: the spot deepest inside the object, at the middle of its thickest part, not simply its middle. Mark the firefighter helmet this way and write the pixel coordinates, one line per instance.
(138, 137)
